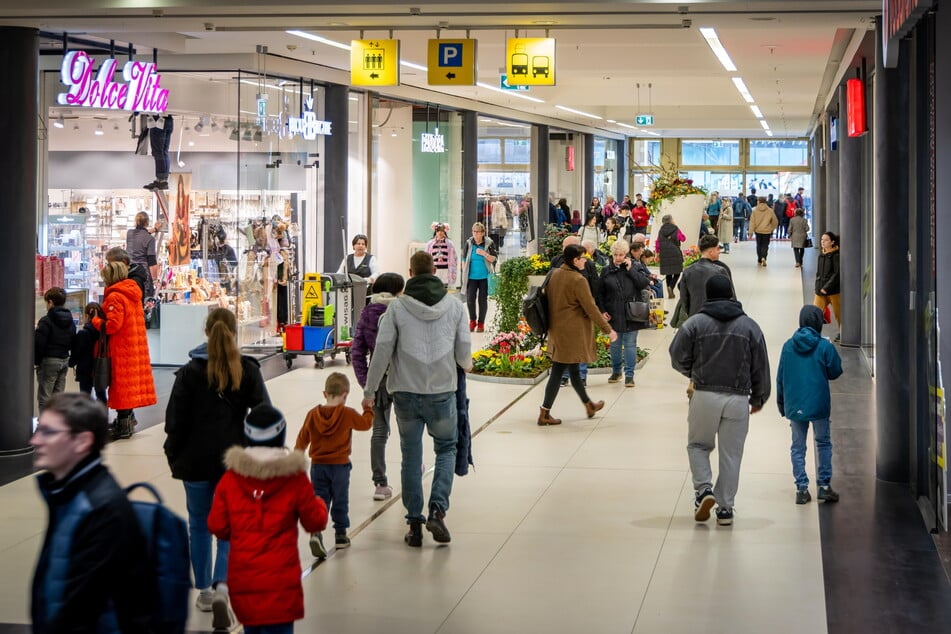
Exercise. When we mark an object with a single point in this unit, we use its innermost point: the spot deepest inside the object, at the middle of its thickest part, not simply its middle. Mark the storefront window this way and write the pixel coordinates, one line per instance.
(504, 183)
(709, 152)
(726, 183)
(786, 153)
(646, 153)
(605, 168)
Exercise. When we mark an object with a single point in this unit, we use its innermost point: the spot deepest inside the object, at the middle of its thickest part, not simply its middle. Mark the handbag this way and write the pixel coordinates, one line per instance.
(637, 311)
(807, 244)
(102, 368)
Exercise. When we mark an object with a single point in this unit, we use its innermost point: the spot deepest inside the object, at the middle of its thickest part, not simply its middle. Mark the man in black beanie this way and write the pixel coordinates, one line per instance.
(723, 353)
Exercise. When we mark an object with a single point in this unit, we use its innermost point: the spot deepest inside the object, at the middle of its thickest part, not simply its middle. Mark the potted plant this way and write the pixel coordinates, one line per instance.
(679, 197)
(510, 290)
(518, 356)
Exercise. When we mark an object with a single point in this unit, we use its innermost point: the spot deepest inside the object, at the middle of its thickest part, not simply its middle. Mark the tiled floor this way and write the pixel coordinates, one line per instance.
(584, 527)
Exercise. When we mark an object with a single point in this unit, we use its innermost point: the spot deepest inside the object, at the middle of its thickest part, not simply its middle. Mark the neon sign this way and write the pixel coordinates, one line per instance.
(142, 91)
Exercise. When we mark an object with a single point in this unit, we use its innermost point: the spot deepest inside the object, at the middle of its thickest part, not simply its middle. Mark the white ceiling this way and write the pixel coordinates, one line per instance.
(786, 52)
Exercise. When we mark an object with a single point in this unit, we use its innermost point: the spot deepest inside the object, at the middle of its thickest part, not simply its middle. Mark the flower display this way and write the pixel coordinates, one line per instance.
(540, 265)
(668, 185)
(691, 255)
(517, 354)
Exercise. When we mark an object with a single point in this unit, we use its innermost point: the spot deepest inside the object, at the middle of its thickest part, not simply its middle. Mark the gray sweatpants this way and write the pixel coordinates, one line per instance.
(713, 415)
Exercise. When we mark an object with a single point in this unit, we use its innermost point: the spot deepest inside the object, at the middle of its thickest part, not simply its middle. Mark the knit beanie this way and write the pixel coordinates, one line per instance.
(719, 287)
(265, 427)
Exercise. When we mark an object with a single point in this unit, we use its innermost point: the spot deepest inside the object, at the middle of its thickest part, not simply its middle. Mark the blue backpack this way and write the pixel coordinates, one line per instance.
(166, 538)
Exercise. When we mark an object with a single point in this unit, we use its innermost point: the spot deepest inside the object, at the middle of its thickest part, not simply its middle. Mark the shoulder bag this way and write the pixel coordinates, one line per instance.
(637, 310)
(102, 369)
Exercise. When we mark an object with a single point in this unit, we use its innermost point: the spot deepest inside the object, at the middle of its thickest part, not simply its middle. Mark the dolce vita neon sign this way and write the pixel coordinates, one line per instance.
(142, 91)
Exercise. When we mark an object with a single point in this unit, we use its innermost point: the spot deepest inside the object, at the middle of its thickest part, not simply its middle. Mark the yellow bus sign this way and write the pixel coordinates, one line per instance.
(530, 61)
(451, 62)
(375, 62)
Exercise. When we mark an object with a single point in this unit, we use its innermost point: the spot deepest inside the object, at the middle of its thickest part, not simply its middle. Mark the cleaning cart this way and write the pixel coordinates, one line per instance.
(327, 317)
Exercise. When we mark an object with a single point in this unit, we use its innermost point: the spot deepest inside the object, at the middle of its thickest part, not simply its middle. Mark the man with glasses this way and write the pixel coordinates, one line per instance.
(93, 572)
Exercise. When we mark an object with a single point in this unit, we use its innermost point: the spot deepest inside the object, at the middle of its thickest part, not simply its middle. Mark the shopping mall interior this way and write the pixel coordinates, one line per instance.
(291, 128)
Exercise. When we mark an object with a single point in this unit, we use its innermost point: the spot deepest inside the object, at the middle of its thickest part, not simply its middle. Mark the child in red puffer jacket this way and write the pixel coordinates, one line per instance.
(256, 507)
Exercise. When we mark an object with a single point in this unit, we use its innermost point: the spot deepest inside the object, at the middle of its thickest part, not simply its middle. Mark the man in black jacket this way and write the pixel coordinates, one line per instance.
(723, 353)
(93, 573)
(52, 341)
(693, 283)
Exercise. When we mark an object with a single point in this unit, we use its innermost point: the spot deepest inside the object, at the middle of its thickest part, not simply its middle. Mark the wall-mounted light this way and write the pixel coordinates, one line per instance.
(98, 131)
(59, 122)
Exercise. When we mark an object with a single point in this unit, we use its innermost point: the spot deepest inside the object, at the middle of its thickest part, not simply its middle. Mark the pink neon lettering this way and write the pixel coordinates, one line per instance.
(142, 91)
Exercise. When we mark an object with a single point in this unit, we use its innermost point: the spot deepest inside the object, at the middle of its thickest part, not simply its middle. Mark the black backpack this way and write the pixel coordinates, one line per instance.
(535, 308)
(166, 538)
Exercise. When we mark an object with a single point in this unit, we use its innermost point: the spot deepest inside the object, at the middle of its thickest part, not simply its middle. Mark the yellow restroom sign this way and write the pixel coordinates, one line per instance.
(530, 61)
(375, 62)
(451, 62)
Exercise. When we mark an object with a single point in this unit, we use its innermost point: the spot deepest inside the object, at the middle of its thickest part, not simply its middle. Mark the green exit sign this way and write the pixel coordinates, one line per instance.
(644, 119)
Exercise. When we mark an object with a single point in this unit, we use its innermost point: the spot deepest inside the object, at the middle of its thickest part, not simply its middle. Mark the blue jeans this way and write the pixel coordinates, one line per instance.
(198, 497)
(277, 628)
(582, 368)
(380, 434)
(332, 484)
(437, 414)
(800, 429)
(627, 341)
(161, 139)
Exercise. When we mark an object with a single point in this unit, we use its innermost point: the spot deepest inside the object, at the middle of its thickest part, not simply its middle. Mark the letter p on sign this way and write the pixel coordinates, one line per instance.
(450, 55)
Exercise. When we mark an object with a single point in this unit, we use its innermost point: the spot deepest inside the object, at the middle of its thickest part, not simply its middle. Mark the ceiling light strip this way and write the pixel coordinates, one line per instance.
(710, 35)
(579, 112)
(757, 111)
(322, 40)
(743, 90)
(509, 93)
(763, 123)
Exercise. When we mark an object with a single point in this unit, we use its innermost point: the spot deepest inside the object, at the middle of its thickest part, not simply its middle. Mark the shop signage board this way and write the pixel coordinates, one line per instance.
(142, 91)
(644, 120)
(432, 143)
(308, 125)
(898, 18)
(375, 62)
(505, 85)
(451, 62)
(530, 61)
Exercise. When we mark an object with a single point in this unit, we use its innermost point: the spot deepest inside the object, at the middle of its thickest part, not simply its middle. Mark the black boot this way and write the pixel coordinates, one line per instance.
(437, 526)
(124, 427)
(414, 537)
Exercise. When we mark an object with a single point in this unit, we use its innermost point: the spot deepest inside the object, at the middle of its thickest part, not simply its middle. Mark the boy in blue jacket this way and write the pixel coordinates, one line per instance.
(807, 364)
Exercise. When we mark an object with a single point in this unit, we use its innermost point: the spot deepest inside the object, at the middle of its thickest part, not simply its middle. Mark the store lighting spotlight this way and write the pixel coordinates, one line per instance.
(98, 131)
(258, 137)
(75, 126)
(59, 122)
(234, 134)
(247, 135)
(393, 133)
(199, 126)
(710, 35)
(214, 125)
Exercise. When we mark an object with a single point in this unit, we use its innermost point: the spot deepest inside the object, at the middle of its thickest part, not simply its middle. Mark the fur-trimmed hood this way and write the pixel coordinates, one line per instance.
(265, 463)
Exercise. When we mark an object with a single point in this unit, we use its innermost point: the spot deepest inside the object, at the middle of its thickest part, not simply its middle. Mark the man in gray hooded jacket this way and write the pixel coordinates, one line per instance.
(422, 337)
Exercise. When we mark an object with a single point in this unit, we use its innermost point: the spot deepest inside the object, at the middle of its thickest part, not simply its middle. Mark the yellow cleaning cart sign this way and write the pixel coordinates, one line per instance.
(310, 296)
(451, 62)
(530, 61)
(375, 62)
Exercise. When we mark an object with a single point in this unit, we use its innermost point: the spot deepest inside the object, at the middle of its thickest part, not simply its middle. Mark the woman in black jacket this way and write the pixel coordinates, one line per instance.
(211, 396)
(669, 239)
(622, 281)
(827, 275)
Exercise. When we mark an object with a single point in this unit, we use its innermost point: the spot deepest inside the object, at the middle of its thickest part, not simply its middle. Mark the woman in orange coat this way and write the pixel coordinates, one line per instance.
(131, 383)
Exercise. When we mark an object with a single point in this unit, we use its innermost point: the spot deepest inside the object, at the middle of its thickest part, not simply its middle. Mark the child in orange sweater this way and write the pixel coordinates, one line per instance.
(328, 430)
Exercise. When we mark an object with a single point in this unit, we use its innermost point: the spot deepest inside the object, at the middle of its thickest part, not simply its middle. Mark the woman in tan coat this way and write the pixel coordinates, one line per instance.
(571, 311)
(762, 223)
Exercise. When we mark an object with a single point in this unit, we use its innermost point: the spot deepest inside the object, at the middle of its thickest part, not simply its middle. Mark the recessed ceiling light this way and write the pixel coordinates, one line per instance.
(578, 112)
(544, 22)
(339, 24)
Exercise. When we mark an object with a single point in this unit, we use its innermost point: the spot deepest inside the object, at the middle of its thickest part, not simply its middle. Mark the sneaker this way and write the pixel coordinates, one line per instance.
(564, 382)
(204, 601)
(163, 185)
(702, 505)
(826, 494)
(317, 546)
(724, 516)
(222, 618)
(437, 526)
(803, 496)
(382, 492)
(614, 378)
(414, 537)
(341, 541)
(629, 382)
(838, 338)
(472, 325)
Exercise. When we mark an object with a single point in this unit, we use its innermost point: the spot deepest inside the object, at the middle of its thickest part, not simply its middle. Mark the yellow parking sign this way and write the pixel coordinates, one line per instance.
(451, 62)
(530, 61)
(375, 62)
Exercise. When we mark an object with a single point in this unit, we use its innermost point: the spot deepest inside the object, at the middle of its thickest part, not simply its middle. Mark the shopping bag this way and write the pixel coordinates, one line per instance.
(493, 284)
(827, 316)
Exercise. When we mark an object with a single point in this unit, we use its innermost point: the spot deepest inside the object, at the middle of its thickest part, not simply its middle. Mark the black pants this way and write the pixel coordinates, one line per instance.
(714, 221)
(672, 283)
(554, 383)
(161, 139)
(798, 253)
(480, 289)
(762, 246)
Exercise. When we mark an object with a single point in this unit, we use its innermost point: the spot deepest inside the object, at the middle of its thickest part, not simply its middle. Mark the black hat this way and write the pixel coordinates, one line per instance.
(265, 427)
(719, 287)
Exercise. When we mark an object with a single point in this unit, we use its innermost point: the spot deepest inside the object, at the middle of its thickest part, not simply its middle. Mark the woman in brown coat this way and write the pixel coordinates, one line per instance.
(571, 311)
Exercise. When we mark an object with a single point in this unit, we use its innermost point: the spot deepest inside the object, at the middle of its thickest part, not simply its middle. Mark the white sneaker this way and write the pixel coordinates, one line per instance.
(222, 618)
(205, 598)
(382, 492)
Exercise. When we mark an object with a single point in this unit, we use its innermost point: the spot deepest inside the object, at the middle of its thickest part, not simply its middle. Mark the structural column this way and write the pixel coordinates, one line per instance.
(470, 169)
(890, 235)
(942, 283)
(541, 149)
(588, 187)
(620, 170)
(851, 159)
(829, 219)
(818, 181)
(19, 54)
(336, 177)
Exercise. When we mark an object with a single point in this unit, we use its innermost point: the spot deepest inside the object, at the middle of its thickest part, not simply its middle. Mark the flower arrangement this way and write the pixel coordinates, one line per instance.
(518, 354)
(540, 265)
(551, 241)
(603, 345)
(668, 185)
(691, 254)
